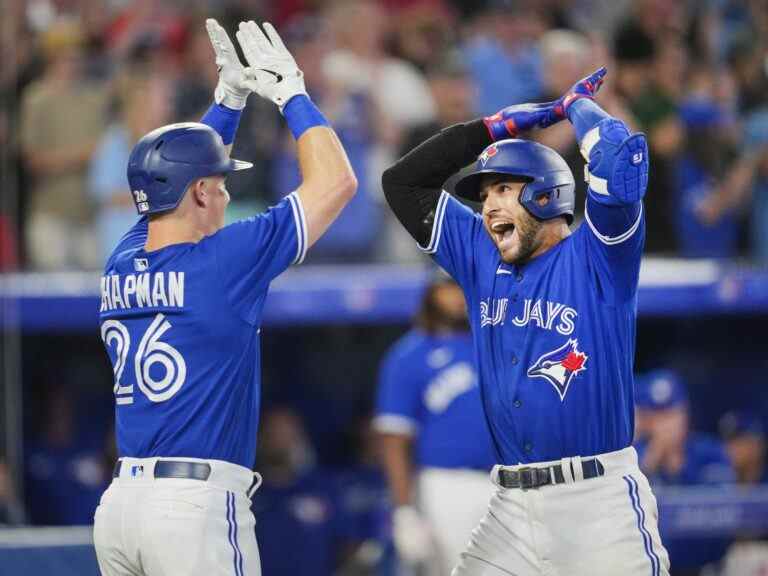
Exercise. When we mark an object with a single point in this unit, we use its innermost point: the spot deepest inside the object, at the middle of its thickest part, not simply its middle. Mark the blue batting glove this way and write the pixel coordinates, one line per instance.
(584, 88)
(511, 121)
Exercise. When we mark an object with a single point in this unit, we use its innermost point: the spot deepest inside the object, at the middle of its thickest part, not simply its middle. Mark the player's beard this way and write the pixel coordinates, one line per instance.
(527, 230)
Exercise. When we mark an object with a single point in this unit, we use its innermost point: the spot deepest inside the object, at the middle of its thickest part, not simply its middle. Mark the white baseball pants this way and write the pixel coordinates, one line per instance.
(146, 526)
(604, 526)
(452, 501)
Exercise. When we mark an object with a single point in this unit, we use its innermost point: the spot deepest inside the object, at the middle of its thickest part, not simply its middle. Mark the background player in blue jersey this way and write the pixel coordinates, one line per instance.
(182, 299)
(553, 315)
(670, 455)
(436, 448)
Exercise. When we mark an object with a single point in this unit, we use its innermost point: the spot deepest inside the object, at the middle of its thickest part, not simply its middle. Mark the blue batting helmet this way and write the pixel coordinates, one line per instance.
(167, 160)
(545, 172)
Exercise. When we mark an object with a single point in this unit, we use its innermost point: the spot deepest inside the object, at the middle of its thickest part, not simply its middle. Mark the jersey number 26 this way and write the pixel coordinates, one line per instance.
(150, 351)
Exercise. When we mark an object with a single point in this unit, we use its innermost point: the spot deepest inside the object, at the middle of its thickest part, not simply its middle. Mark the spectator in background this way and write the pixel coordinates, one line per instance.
(352, 110)
(8, 248)
(503, 55)
(755, 152)
(705, 225)
(453, 93)
(670, 455)
(64, 476)
(296, 505)
(63, 116)
(365, 506)
(656, 109)
(567, 57)
(259, 123)
(435, 444)
(143, 105)
(423, 31)
(744, 439)
(360, 64)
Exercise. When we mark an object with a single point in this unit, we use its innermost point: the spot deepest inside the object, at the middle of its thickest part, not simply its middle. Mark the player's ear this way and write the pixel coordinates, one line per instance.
(200, 194)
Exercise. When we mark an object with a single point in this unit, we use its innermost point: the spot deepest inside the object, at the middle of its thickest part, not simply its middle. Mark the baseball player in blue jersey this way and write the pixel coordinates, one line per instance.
(181, 306)
(553, 322)
(435, 443)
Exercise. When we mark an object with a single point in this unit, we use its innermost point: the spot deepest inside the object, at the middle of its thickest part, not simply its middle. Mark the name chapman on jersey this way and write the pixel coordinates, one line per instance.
(145, 290)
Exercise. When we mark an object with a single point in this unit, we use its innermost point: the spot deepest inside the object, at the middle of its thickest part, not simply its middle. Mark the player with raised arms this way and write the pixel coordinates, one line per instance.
(181, 307)
(553, 315)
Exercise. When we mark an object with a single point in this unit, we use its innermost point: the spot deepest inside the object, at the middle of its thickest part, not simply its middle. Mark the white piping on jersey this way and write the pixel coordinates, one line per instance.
(596, 184)
(611, 241)
(395, 424)
(437, 225)
(301, 227)
(591, 138)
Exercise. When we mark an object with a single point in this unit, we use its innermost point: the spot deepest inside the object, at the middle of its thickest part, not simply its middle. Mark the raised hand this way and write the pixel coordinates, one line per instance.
(235, 82)
(511, 121)
(585, 88)
(278, 76)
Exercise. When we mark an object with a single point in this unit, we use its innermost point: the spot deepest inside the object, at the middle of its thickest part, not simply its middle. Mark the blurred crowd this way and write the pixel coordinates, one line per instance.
(82, 80)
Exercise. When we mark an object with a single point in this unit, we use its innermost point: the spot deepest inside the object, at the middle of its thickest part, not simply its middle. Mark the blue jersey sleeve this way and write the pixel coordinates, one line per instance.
(134, 239)
(611, 240)
(397, 403)
(250, 253)
(456, 235)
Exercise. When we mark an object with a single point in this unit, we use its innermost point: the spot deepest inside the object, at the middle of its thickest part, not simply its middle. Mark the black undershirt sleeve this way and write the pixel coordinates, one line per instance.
(413, 184)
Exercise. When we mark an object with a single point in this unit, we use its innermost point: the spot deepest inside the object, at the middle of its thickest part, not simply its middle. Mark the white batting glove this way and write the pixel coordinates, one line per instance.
(412, 536)
(279, 78)
(235, 80)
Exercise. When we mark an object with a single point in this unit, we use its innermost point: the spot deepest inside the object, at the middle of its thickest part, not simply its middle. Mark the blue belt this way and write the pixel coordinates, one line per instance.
(174, 469)
(528, 477)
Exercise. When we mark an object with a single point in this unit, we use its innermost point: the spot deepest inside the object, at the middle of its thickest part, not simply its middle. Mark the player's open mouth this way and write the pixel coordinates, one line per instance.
(502, 231)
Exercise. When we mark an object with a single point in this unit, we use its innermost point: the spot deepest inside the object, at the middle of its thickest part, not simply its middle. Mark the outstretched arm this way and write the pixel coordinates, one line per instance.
(328, 182)
(617, 177)
(235, 85)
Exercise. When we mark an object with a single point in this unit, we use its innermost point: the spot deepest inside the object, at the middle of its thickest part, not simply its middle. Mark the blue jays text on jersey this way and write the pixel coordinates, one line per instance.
(181, 327)
(555, 338)
(428, 387)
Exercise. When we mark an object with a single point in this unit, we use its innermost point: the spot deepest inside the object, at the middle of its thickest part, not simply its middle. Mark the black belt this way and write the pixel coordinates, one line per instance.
(527, 478)
(170, 469)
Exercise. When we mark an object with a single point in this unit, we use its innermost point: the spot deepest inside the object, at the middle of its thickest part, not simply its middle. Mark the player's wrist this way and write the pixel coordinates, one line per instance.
(301, 114)
(229, 96)
(224, 119)
(501, 127)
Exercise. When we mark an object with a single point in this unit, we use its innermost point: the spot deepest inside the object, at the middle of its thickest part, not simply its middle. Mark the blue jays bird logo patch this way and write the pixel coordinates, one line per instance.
(559, 366)
(487, 154)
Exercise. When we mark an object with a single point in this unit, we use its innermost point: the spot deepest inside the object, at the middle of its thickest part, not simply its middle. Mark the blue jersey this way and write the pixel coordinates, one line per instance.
(428, 387)
(555, 338)
(181, 327)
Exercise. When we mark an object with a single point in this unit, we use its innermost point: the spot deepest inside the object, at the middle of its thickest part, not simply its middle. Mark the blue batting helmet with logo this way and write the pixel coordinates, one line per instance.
(546, 174)
(167, 160)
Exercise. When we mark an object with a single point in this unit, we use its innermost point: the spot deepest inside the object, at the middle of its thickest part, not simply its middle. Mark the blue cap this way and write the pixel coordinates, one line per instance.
(659, 390)
(702, 113)
(545, 172)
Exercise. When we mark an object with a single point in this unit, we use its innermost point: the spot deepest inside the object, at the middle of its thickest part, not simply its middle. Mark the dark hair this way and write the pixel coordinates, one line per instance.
(430, 318)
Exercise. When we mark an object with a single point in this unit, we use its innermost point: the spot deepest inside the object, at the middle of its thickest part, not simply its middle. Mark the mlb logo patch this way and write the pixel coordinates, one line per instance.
(140, 264)
(137, 471)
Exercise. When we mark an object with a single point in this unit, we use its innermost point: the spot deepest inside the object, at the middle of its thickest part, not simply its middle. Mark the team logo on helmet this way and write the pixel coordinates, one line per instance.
(559, 366)
(487, 154)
